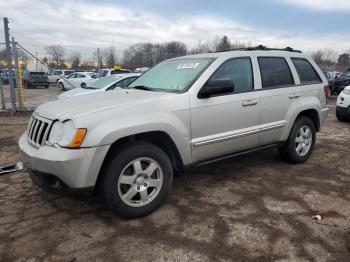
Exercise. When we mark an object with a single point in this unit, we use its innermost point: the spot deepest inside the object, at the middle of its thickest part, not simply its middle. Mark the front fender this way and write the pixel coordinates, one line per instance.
(175, 125)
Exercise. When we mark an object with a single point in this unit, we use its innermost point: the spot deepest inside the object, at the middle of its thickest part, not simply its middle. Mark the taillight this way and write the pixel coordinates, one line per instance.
(327, 92)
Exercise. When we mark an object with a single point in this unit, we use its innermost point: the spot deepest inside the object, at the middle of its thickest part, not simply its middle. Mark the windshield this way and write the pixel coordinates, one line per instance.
(172, 75)
(346, 74)
(103, 82)
(102, 73)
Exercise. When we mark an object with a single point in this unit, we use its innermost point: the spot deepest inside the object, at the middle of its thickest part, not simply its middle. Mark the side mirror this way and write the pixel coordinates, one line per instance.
(216, 87)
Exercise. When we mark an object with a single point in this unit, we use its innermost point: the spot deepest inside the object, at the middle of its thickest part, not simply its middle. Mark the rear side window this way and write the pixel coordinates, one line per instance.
(275, 72)
(239, 70)
(306, 72)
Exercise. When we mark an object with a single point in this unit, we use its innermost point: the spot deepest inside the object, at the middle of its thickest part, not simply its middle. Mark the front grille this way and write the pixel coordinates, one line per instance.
(38, 130)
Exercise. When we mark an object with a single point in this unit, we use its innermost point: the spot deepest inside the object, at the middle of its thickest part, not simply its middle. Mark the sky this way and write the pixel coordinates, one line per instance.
(87, 25)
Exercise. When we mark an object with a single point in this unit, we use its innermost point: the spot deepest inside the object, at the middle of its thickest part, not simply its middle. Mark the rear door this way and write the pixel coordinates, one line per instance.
(227, 123)
(278, 92)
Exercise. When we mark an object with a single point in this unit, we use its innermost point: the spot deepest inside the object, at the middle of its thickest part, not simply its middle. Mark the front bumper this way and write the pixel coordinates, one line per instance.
(343, 111)
(75, 168)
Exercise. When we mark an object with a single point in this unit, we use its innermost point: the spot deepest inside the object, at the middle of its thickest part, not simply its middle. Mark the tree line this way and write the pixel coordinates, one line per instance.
(148, 54)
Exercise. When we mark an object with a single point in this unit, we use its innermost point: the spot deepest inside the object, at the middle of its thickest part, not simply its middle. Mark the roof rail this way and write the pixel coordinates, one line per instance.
(262, 48)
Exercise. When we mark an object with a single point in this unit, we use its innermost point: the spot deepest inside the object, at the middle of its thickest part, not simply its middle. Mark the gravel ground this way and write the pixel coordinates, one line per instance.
(251, 208)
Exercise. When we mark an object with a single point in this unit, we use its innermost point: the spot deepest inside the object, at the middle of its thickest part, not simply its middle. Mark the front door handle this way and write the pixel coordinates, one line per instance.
(294, 96)
(250, 102)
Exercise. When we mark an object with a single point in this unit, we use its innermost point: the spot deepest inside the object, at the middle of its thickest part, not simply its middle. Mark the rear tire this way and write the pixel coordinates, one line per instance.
(137, 180)
(83, 85)
(301, 141)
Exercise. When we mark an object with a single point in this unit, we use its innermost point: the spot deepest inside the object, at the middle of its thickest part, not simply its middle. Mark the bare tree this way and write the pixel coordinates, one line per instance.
(57, 53)
(75, 59)
(109, 56)
(223, 44)
(318, 56)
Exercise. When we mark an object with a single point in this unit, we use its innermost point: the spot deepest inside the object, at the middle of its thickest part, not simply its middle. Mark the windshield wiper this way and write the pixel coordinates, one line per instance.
(143, 88)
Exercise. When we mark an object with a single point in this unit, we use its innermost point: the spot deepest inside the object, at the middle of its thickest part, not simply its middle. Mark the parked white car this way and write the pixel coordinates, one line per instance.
(343, 105)
(101, 85)
(75, 80)
(108, 72)
(56, 75)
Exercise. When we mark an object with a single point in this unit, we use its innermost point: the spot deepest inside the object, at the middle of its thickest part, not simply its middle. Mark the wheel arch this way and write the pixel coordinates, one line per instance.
(158, 138)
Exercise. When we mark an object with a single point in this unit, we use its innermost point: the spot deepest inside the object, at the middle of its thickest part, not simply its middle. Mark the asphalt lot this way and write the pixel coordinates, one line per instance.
(251, 208)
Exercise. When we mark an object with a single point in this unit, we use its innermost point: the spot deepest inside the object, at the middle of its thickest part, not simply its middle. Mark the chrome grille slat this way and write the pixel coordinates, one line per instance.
(38, 130)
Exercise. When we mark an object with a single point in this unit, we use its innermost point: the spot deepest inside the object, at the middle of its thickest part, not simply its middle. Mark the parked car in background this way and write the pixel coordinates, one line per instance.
(34, 79)
(55, 76)
(101, 85)
(76, 80)
(330, 80)
(5, 76)
(343, 105)
(183, 112)
(108, 72)
(342, 81)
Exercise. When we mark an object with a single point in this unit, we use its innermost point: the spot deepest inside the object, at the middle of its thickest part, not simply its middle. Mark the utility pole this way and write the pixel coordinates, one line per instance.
(9, 64)
(98, 62)
(18, 76)
(2, 94)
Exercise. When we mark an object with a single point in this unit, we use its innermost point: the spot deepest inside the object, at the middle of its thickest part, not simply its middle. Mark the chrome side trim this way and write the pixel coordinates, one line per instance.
(235, 135)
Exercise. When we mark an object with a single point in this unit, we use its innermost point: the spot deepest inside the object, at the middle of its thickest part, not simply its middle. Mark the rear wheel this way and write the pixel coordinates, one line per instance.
(83, 85)
(301, 141)
(137, 180)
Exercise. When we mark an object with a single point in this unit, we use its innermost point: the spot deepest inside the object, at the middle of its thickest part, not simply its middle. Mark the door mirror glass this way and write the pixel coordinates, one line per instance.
(217, 87)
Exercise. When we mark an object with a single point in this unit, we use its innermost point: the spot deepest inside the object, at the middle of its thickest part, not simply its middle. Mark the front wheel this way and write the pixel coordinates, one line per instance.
(342, 118)
(301, 141)
(83, 85)
(61, 86)
(137, 180)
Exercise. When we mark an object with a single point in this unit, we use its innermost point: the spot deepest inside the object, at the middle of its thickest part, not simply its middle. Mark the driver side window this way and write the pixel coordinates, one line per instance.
(239, 71)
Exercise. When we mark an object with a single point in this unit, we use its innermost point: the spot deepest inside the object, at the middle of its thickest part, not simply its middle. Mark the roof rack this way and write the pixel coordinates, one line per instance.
(262, 48)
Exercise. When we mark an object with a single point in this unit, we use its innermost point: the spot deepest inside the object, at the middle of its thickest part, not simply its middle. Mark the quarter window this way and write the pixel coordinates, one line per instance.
(275, 72)
(238, 70)
(306, 72)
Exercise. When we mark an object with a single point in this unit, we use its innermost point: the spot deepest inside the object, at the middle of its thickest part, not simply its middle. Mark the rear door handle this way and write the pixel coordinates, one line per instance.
(250, 102)
(294, 96)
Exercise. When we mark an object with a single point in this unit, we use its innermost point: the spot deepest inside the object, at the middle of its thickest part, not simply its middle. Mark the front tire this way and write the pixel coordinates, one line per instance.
(61, 86)
(301, 141)
(342, 118)
(137, 180)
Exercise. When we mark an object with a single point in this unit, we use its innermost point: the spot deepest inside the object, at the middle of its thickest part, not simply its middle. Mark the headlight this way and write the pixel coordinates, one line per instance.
(346, 91)
(66, 135)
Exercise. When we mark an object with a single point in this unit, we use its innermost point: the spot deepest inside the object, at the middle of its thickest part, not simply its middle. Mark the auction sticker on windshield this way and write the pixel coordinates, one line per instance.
(187, 66)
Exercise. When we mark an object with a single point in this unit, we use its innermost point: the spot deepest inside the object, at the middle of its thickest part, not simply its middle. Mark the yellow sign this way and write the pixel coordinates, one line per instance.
(117, 67)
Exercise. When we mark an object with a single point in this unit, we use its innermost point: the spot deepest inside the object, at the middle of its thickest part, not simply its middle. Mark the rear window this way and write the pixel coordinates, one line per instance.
(307, 74)
(275, 72)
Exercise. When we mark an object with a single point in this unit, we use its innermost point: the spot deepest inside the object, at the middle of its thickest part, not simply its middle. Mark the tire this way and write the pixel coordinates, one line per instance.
(144, 198)
(61, 86)
(83, 85)
(47, 86)
(342, 118)
(299, 152)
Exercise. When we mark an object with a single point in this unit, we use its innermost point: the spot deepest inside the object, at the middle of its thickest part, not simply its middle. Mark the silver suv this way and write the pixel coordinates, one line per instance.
(183, 112)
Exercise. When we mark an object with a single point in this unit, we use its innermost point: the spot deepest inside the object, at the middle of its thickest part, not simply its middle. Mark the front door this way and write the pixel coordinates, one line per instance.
(227, 123)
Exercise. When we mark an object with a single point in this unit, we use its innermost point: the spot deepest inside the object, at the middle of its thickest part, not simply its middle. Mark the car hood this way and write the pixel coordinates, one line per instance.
(80, 106)
(78, 92)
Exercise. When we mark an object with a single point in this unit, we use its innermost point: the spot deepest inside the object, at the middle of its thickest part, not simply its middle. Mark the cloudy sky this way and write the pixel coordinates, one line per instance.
(86, 25)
